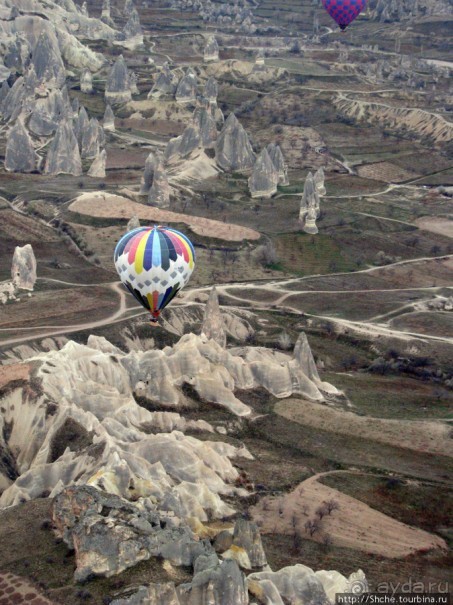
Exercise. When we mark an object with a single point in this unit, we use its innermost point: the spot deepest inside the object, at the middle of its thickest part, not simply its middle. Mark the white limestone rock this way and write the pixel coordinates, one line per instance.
(63, 156)
(109, 119)
(213, 324)
(309, 206)
(187, 89)
(47, 60)
(296, 584)
(148, 174)
(23, 269)
(86, 82)
(165, 84)
(133, 83)
(133, 29)
(90, 140)
(20, 155)
(118, 89)
(133, 223)
(97, 168)
(264, 178)
(276, 155)
(211, 90)
(233, 148)
(211, 50)
(319, 181)
(159, 193)
(81, 124)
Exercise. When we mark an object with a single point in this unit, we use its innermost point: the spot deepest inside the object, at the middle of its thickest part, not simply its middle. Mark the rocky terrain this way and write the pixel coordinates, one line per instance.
(283, 434)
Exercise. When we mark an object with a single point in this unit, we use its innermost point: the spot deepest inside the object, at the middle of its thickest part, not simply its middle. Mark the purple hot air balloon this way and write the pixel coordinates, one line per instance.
(344, 11)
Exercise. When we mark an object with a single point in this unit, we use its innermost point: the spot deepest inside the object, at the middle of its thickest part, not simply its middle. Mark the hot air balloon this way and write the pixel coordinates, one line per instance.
(344, 11)
(154, 263)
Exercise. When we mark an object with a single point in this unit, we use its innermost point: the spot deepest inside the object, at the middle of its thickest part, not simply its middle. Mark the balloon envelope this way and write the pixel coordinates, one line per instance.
(154, 263)
(344, 11)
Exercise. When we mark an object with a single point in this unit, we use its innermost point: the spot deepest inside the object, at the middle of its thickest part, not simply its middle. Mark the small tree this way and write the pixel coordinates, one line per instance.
(331, 505)
(312, 526)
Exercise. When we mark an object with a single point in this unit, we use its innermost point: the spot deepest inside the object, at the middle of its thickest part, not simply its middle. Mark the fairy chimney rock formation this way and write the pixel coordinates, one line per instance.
(213, 324)
(264, 179)
(309, 206)
(133, 84)
(147, 178)
(133, 29)
(97, 168)
(109, 119)
(211, 90)
(187, 89)
(211, 50)
(233, 148)
(276, 155)
(133, 223)
(47, 60)
(159, 194)
(20, 155)
(319, 181)
(86, 82)
(118, 90)
(90, 140)
(207, 127)
(81, 124)
(165, 83)
(23, 269)
(63, 156)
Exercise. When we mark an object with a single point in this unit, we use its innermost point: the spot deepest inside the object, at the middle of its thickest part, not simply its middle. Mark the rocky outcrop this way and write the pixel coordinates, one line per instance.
(81, 124)
(133, 223)
(118, 89)
(20, 155)
(13, 100)
(206, 126)
(109, 119)
(187, 89)
(213, 325)
(233, 149)
(246, 547)
(276, 155)
(300, 584)
(184, 145)
(110, 534)
(165, 84)
(63, 156)
(309, 206)
(47, 60)
(133, 29)
(23, 269)
(224, 583)
(264, 178)
(319, 181)
(418, 121)
(86, 82)
(211, 50)
(97, 168)
(148, 174)
(48, 110)
(211, 90)
(159, 193)
(133, 85)
(90, 140)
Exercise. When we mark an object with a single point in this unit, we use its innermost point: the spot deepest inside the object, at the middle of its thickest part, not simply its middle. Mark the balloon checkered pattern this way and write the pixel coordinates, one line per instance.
(344, 11)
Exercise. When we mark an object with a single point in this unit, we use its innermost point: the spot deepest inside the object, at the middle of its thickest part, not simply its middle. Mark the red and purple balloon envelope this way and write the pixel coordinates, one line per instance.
(344, 11)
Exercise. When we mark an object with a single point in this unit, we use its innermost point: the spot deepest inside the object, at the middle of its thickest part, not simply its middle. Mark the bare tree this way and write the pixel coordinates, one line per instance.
(312, 526)
(331, 505)
(321, 511)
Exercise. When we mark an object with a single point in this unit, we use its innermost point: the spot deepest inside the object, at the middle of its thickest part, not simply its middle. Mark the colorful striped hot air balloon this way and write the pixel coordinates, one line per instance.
(154, 263)
(344, 11)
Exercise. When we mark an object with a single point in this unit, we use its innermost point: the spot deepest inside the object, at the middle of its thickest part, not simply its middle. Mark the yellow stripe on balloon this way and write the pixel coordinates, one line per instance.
(140, 252)
(186, 246)
(149, 296)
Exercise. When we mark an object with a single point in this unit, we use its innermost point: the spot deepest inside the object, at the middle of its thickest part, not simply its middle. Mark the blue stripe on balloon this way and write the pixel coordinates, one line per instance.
(165, 257)
(156, 248)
